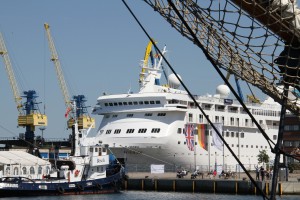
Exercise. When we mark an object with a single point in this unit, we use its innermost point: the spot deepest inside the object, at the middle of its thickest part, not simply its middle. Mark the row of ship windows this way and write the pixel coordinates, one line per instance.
(224, 134)
(24, 170)
(232, 145)
(141, 130)
(131, 115)
(292, 127)
(291, 143)
(242, 135)
(230, 121)
(131, 103)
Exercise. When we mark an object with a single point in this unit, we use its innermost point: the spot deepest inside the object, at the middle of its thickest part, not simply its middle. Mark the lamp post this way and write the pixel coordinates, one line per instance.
(223, 143)
(239, 148)
(195, 147)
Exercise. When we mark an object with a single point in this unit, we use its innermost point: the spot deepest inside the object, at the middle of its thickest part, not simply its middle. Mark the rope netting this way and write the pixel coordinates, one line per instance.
(256, 40)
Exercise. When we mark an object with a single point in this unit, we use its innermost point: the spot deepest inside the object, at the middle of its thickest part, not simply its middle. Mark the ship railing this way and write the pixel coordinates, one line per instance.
(56, 139)
(272, 127)
(9, 138)
(233, 111)
(146, 168)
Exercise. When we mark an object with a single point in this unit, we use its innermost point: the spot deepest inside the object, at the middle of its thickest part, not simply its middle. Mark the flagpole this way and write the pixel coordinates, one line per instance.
(223, 158)
(223, 143)
(195, 146)
(239, 153)
(208, 141)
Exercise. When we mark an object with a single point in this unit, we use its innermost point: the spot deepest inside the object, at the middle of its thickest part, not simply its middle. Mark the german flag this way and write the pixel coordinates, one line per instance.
(202, 138)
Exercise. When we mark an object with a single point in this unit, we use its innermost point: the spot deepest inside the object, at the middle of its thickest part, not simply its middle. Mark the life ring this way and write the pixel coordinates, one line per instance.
(76, 172)
(99, 186)
(61, 190)
(80, 187)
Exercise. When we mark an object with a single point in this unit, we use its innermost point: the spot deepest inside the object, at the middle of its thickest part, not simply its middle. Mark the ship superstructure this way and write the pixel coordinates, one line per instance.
(149, 127)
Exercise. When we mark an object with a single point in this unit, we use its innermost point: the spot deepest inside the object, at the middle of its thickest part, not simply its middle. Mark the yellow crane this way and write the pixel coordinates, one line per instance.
(29, 116)
(145, 63)
(84, 121)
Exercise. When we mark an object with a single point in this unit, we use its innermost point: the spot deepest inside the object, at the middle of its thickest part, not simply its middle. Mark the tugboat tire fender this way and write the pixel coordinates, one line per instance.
(99, 186)
(61, 190)
(80, 187)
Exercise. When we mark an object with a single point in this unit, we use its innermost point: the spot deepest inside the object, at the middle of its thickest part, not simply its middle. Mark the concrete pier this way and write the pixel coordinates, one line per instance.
(191, 185)
(169, 182)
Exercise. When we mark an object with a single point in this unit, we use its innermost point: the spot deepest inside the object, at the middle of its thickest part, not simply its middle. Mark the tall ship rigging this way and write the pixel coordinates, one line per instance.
(161, 124)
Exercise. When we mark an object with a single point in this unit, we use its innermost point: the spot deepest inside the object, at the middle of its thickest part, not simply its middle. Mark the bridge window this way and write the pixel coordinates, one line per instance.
(47, 170)
(157, 102)
(161, 114)
(31, 170)
(108, 131)
(24, 170)
(40, 170)
(148, 114)
(16, 171)
(129, 115)
(7, 171)
(179, 130)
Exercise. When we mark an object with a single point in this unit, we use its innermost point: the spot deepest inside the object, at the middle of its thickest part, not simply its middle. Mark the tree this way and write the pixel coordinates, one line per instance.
(263, 157)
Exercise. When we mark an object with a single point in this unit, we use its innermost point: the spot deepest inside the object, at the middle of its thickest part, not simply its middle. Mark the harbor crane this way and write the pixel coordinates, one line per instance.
(29, 115)
(81, 113)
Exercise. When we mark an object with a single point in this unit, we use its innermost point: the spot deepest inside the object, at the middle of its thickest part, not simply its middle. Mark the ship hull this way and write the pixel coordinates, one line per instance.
(17, 188)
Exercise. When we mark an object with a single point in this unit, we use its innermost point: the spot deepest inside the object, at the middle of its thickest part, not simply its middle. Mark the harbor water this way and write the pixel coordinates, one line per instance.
(142, 195)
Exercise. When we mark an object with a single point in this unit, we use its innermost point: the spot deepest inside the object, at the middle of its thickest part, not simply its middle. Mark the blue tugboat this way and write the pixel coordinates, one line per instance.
(88, 171)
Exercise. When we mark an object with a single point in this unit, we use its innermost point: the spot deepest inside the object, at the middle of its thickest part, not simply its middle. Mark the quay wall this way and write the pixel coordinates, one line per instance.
(209, 186)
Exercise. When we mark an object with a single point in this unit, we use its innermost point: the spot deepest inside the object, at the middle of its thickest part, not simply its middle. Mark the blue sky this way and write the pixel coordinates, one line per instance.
(100, 46)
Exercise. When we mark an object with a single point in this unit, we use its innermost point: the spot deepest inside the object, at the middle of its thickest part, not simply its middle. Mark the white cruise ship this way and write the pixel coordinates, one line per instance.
(148, 127)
